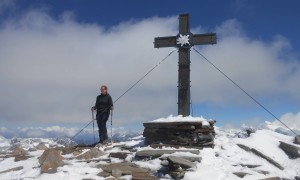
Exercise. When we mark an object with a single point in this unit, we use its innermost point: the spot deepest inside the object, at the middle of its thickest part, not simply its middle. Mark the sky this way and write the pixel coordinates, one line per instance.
(54, 56)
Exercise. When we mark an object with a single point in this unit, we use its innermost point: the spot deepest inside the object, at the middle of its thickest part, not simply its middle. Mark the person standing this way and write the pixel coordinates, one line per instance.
(103, 106)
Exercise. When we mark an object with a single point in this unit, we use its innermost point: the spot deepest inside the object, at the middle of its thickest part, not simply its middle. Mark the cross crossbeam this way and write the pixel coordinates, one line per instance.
(184, 41)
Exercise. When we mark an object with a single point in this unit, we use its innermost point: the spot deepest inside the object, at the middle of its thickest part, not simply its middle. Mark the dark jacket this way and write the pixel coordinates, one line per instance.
(104, 103)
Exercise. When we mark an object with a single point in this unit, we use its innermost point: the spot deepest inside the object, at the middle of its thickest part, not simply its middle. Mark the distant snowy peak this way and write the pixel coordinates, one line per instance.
(3, 141)
(279, 128)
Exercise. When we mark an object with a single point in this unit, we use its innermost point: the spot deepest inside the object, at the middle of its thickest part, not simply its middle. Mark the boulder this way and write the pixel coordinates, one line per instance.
(297, 139)
(120, 155)
(19, 152)
(92, 153)
(22, 158)
(50, 161)
(104, 174)
(182, 162)
(157, 153)
(177, 174)
(143, 176)
(250, 131)
(126, 168)
(41, 146)
(116, 173)
(291, 150)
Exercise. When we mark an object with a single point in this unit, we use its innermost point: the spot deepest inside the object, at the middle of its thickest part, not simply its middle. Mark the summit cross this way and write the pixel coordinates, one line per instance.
(184, 41)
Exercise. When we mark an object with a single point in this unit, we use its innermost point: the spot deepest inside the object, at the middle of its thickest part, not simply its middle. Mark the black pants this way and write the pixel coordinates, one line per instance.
(101, 121)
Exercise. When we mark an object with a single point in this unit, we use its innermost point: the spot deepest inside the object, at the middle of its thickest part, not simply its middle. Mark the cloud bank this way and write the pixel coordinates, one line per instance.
(51, 69)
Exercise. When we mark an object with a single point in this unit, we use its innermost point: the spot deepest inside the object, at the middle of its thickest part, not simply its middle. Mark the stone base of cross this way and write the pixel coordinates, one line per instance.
(184, 41)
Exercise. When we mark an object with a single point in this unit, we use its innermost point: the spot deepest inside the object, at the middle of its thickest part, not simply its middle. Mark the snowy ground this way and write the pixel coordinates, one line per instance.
(217, 163)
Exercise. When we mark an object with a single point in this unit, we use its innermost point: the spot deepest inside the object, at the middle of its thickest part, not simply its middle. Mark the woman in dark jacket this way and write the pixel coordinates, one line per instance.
(103, 106)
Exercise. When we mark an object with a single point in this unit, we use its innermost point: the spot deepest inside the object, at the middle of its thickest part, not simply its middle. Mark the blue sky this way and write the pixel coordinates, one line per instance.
(260, 19)
(56, 54)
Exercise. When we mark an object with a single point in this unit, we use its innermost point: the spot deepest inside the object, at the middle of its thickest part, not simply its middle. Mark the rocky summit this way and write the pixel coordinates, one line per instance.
(261, 154)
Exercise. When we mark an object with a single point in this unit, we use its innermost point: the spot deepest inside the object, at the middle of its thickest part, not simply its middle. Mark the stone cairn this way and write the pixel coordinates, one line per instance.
(189, 134)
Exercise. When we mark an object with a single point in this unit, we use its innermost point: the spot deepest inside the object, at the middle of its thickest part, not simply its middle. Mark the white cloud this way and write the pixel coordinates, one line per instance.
(291, 120)
(51, 69)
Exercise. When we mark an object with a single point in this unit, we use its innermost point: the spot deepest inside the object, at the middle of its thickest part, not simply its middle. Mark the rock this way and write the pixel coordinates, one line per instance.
(143, 176)
(93, 153)
(41, 146)
(31, 149)
(241, 174)
(115, 179)
(12, 169)
(297, 177)
(272, 178)
(120, 155)
(76, 153)
(19, 152)
(250, 131)
(297, 140)
(190, 158)
(67, 150)
(157, 153)
(126, 168)
(116, 173)
(291, 150)
(184, 163)
(262, 172)
(104, 174)
(22, 158)
(50, 161)
(250, 165)
(258, 153)
(244, 147)
(180, 133)
(270, 160)
(177, 174)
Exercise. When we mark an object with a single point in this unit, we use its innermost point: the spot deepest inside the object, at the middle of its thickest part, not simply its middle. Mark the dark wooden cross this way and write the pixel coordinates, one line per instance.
(184, 41)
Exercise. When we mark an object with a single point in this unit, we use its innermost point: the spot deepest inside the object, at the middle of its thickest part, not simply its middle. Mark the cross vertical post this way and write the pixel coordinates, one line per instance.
(184, 69)
(184, 41)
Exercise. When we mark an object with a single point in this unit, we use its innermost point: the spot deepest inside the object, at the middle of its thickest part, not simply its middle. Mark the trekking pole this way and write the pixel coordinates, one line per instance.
(111, 118)
(93, 125)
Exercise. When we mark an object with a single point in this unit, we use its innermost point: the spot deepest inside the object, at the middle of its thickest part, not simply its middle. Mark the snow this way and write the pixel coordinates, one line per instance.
(227, 157)
(4, 143)
(180, 118)
(217, 163)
